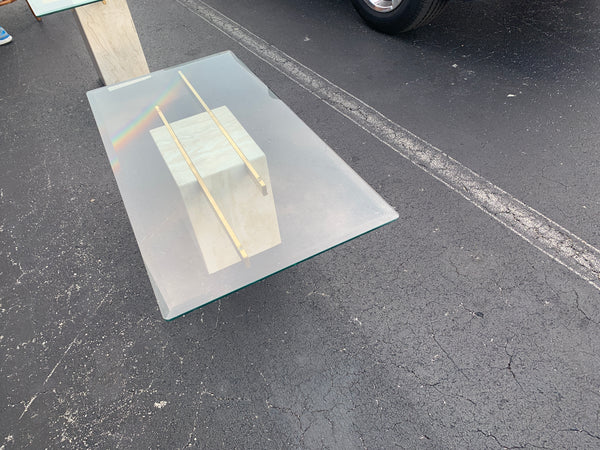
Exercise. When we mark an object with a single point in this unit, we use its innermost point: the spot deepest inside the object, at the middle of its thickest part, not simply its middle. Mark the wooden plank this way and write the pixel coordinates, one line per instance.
(110, 35)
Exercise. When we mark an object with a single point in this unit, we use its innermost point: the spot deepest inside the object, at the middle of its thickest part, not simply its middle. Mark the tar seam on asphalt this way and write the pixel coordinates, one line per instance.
(544, 234)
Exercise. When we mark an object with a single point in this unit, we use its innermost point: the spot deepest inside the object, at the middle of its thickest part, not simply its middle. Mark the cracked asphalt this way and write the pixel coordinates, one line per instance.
(442, 330)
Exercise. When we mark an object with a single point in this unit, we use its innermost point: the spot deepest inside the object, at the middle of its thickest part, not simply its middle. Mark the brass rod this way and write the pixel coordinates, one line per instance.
(261, 183)
(202, 184)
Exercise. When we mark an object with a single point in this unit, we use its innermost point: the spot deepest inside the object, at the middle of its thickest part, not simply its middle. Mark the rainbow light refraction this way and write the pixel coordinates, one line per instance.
(142, 120)
(115, 164)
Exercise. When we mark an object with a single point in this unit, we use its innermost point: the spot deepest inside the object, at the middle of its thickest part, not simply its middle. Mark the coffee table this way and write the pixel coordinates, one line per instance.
(223, 184)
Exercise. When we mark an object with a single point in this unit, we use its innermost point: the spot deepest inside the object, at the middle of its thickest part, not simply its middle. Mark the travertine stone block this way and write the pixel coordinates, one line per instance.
(251, 214)
(112, 40)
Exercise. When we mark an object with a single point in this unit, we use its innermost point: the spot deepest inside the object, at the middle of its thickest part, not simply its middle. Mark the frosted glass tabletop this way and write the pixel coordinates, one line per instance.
(45, 7)
(223, 183)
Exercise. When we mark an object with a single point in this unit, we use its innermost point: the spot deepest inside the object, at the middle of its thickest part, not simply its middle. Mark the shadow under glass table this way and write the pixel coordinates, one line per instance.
(223, 184)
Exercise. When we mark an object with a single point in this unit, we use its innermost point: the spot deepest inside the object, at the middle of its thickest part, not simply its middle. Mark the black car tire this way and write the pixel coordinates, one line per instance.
(408, 15)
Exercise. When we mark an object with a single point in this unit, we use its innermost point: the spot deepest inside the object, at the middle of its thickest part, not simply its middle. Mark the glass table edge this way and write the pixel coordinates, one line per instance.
(66, 8)
(168, 317)
(111, 87)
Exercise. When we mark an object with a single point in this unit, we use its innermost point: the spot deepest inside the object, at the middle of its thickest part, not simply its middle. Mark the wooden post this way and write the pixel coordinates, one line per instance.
(110, 36)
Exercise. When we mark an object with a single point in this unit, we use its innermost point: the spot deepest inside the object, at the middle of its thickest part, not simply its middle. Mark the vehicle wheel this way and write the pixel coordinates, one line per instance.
(397, 16)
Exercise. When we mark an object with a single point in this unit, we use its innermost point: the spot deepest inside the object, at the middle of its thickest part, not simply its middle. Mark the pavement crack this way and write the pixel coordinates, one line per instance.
(583, 313)
(584, 431)
(448, 356)
(509, 366)
(286, 411)
(446, 394)
(508, 447)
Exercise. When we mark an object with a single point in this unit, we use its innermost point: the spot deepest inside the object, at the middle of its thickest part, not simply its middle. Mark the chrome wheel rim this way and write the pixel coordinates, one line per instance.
(383, 5)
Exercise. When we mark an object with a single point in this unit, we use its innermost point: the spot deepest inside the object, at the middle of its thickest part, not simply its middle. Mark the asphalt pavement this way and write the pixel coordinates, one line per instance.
(445, 329)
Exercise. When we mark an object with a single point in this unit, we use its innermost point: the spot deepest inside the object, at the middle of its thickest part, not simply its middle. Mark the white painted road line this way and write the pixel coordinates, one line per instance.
(547, 236)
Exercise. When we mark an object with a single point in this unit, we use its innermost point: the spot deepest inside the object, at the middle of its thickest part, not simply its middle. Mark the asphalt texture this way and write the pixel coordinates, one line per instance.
(441, 330)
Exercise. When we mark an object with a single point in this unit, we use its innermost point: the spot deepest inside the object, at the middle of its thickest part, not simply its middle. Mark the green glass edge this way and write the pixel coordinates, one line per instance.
(286, 267)
(63, 9)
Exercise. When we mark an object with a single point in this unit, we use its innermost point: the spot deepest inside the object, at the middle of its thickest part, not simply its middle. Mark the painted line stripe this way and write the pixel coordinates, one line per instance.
(544, 234)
